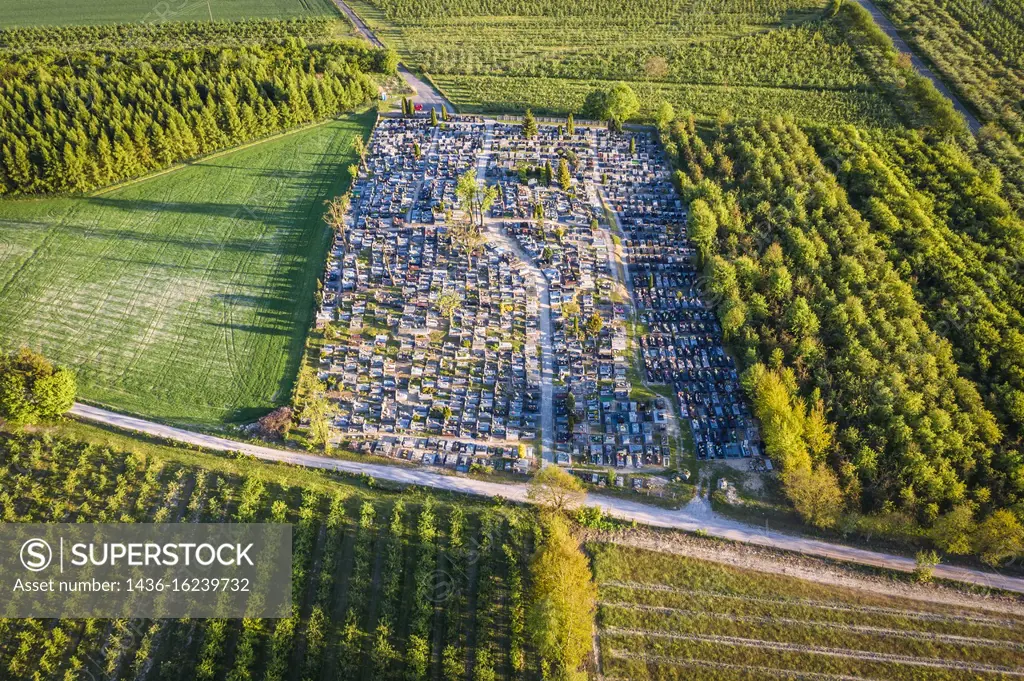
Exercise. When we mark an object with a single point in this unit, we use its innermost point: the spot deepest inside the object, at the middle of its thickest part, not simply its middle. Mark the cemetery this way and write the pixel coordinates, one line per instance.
(434, 347)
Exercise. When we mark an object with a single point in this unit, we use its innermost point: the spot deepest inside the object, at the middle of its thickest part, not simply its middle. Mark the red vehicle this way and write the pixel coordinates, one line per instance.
(419, 107)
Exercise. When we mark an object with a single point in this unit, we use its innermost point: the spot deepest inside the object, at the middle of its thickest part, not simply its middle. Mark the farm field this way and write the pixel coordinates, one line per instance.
(663, 616)
(186, 296)
(978, 47)
(68, 12)
(786, 56)
(384, 585)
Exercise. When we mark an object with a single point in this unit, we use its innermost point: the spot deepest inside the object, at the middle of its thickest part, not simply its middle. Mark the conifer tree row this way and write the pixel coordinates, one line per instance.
(75, 122)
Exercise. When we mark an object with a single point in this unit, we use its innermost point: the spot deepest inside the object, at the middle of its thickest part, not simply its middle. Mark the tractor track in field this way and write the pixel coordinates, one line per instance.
(844, 653)
(865, 609)
(714, 664)
(916, 634)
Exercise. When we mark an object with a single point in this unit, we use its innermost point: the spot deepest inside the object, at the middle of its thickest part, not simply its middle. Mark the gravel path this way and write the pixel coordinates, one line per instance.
(919, 65)
(639, 512)
(547, 362)
(426, 94)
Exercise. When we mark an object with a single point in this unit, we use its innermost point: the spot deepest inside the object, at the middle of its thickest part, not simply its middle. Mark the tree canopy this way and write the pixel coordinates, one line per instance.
(563, 603)
(556, 489)
(86, 119)
(32, 389)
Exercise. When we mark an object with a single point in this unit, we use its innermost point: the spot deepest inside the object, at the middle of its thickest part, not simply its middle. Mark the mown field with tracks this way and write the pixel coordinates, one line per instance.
(186, 296)
(669, 617)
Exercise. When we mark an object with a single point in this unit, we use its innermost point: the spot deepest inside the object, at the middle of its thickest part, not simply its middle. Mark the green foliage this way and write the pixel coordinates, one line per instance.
(555, 488)
(592, 517)
(621, 103)
(926, 562)
(76, 122)
(529, 125)
(999, 538)
(378, 554)
(564, 176)
(784, 56)
(791, 433)
(166, 34)
(563, 603)
(978, 48)
(831, 317)
(944, 222)
(148, 15)
(32, 389)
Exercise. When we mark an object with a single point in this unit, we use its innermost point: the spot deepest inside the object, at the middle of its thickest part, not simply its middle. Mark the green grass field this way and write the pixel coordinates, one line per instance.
(754, 59)
(67, 12)
(187, 296)
(663, 616)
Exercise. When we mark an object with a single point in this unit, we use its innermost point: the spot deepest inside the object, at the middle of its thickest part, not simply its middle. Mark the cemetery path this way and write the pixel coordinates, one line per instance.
(620, 271)
(712, 524)
(426, 94)
(547, 363)
(919, 64)
(547, 407)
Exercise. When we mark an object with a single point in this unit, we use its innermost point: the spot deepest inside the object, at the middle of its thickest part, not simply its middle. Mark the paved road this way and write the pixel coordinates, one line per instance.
(890, 30)
(696, 516)
(426, 94)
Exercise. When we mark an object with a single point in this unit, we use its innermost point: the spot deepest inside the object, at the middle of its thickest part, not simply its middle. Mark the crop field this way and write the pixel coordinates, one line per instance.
(65, 12)
(977, 45)
(978, 48)
(784, 56)
(669, 617)
(186, 296)
(384, 586)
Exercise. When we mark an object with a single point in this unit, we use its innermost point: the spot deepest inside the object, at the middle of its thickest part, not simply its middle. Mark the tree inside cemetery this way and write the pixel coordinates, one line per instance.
(447, 303)
(335, 215)
(564, 176)
(529, 125)
(466, 238)
(475, 197)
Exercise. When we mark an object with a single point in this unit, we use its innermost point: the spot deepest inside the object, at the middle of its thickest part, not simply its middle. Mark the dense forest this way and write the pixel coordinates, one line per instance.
(877, 320)
(75, 121)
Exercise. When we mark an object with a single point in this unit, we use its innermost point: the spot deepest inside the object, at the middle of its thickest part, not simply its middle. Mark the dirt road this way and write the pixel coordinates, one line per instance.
(691, 518)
